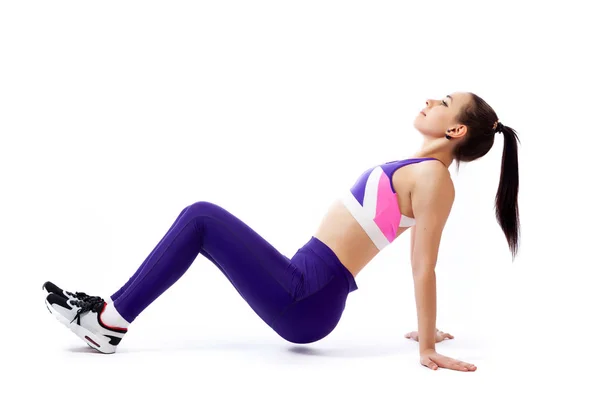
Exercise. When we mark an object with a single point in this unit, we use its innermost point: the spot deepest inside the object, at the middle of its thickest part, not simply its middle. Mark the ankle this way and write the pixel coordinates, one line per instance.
(111, 317)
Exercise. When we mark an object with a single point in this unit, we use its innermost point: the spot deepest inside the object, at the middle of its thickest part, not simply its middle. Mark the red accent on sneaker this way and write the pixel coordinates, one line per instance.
(97, 345)
(116, 328)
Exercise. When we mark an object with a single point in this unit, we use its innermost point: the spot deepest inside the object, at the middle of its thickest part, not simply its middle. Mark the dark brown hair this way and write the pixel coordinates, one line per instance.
(479, 118)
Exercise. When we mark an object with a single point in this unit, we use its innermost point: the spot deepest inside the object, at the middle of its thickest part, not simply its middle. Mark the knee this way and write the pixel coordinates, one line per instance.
(202, 206)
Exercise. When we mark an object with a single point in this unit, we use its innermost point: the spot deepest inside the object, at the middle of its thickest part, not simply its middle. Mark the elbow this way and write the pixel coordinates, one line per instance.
(423, 268)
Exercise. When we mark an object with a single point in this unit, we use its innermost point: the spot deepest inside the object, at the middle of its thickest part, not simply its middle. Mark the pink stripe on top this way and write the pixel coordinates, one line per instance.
(373, 202)
(387, 215)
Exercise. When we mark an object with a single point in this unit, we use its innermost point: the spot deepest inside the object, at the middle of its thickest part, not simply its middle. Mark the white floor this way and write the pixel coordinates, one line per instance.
(195, 365)
(213, 356)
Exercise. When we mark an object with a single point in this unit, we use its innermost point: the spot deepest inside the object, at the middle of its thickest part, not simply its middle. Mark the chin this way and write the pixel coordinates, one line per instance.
(416, 125)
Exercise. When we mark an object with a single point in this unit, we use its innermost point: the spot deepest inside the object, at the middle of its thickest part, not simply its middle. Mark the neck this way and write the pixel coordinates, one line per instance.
(436, 148)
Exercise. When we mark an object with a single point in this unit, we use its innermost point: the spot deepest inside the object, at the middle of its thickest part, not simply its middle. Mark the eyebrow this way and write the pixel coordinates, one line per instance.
(449, 97)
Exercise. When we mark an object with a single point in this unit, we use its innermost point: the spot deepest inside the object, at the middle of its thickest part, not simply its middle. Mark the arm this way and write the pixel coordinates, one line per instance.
(432, 200)
(412, 243)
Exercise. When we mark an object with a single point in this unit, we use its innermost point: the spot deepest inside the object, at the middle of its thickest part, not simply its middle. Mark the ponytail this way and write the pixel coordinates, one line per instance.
(507, 207)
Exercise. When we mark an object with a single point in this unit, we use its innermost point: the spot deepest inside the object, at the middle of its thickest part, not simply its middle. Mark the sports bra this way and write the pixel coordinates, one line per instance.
(372, 202)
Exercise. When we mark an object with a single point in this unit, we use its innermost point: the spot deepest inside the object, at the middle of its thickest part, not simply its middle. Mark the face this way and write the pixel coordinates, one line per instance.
(441, 114)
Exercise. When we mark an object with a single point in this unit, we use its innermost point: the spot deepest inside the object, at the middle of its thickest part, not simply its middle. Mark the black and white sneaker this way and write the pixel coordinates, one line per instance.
(50, 287)
(83, 317)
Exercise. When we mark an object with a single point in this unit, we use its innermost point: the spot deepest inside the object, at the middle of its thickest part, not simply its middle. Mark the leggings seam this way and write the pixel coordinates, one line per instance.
(148, 270)
(193, 219)
(345, 269)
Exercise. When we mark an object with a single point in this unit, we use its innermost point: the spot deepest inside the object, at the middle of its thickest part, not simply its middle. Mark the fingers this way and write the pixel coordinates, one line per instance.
(436, 360)
(470, 367)
(431, 365)
(456, 365)
(462, 366)
(414, 335)
(443, 335)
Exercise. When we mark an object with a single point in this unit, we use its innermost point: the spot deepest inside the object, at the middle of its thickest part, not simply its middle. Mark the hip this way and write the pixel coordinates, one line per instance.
(320, 295)
(319, 266)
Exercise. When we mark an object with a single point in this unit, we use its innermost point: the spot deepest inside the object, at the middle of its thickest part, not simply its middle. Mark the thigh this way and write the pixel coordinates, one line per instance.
(262, 275)
(316, 315)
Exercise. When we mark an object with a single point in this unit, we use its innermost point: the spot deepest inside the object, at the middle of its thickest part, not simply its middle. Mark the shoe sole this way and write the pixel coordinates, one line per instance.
(96, 342)
(46, 293)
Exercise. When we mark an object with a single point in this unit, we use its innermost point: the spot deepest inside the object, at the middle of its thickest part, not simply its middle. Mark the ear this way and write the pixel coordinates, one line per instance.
(460, 131)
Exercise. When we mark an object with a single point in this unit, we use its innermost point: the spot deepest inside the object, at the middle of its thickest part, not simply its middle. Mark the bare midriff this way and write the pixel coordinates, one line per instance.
(347, 239)
(340, 231)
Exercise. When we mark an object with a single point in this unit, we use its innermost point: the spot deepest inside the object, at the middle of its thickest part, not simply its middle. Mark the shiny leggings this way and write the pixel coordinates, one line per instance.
(302, 299)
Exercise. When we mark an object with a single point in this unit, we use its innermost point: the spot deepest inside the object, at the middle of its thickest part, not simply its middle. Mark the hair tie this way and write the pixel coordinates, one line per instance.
(498, 127)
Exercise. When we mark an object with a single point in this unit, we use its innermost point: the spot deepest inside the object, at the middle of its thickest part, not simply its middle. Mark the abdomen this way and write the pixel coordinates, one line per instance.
(344, 235)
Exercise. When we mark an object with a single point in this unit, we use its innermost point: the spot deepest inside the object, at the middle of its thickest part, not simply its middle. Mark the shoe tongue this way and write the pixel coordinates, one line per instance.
(92, 303)
(94, 300)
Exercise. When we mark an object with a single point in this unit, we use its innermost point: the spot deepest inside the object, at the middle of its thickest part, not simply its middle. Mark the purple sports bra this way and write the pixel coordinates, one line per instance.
(373, 203)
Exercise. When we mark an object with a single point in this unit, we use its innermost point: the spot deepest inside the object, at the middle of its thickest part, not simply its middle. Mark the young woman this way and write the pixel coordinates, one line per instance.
(302, 298)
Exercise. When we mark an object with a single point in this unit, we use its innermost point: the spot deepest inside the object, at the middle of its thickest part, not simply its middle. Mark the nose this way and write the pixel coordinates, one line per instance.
(429, 102)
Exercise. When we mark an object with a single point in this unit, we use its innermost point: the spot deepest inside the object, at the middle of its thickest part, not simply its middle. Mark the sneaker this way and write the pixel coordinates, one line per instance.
(83, 317)
(50, 287)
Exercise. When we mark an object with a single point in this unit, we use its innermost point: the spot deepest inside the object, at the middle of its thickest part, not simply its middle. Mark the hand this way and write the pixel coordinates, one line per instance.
(433, 360)
(439, 336)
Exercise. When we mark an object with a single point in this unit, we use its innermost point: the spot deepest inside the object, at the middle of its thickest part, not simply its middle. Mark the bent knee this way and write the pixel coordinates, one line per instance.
(203, 206)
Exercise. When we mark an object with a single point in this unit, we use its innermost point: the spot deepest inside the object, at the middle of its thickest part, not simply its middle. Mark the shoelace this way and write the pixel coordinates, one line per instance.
(79, 295)
(90, 303)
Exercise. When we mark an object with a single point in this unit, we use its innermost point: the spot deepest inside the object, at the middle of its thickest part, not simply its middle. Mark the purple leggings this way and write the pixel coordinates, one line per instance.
(301, 298)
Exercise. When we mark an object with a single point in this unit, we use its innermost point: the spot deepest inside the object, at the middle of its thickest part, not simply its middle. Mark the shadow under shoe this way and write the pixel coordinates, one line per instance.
(83, 317)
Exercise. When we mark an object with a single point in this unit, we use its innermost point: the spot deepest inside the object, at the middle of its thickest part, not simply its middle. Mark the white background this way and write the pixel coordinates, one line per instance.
(115, 115)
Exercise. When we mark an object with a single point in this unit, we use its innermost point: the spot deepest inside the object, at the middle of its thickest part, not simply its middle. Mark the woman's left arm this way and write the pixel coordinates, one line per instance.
(432, 200)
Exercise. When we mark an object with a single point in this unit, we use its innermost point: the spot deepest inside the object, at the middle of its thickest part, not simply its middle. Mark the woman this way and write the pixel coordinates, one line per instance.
(302, 298)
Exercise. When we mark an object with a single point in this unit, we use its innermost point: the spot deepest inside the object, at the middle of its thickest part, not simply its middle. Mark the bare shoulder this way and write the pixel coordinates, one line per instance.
(433, 185)
(432, 198)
